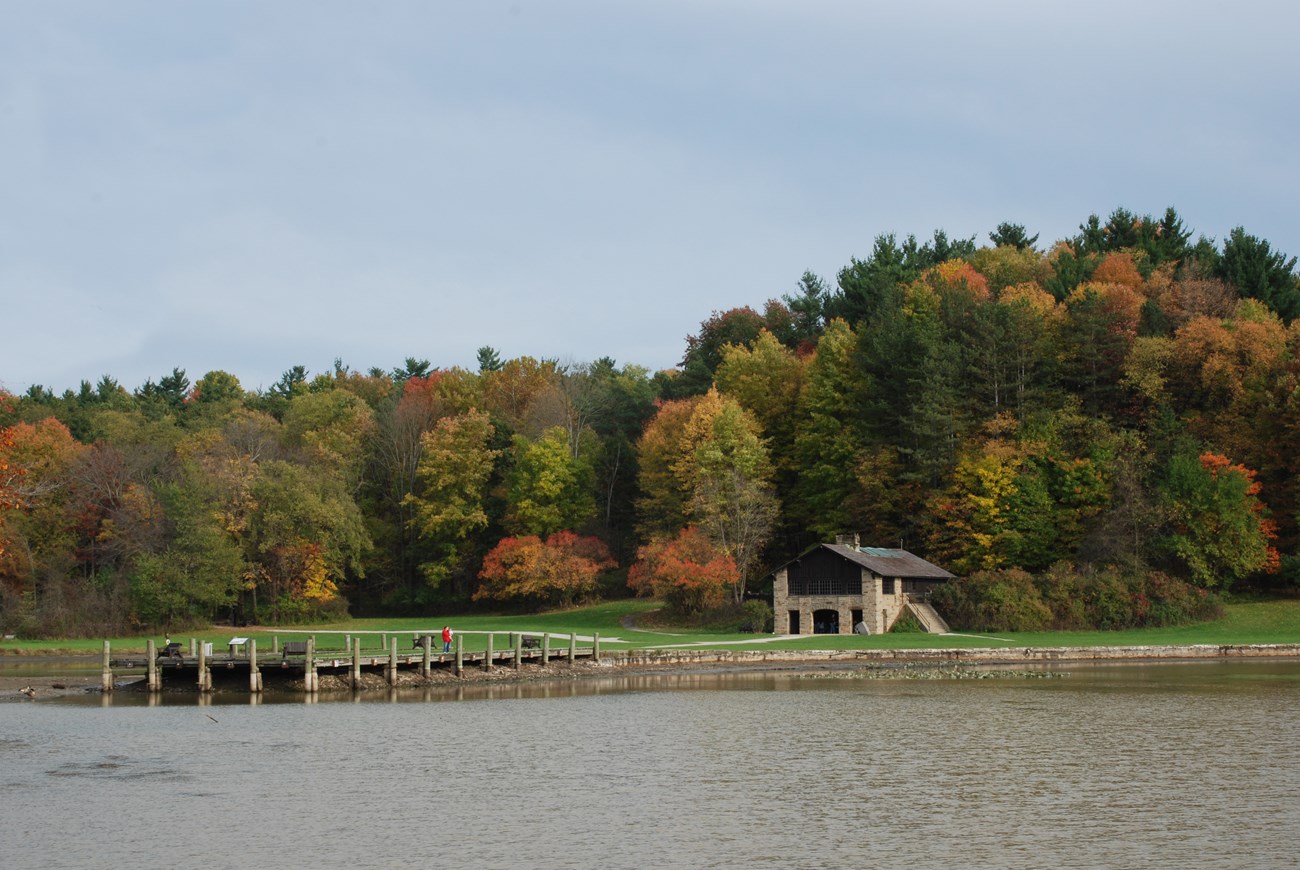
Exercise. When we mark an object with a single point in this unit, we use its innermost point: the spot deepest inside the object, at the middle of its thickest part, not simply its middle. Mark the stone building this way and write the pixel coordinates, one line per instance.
(833, 588)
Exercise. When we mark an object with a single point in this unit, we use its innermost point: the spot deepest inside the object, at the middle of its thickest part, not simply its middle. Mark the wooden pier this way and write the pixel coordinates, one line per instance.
(175, 666)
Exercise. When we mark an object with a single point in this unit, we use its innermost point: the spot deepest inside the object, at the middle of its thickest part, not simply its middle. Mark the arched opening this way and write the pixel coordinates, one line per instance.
(826, 622)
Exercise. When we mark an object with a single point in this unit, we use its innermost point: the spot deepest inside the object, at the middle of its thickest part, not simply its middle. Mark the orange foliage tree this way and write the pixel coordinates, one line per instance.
(35, 459)
(1219, 527)
(1118, 268)
(958, 275)
(561, 571)
(689, 571)
(8, 477)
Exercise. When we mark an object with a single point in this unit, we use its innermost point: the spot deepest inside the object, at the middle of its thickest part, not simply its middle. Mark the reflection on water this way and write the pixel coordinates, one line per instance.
(1120, 766)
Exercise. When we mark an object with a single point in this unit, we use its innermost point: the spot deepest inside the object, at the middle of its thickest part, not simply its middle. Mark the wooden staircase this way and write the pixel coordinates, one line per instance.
(928, 617)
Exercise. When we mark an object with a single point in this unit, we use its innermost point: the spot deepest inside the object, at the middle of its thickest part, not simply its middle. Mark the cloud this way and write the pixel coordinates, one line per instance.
(254, 186)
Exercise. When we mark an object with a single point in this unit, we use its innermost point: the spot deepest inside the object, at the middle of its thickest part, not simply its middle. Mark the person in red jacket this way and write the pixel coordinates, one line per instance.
(446, 638)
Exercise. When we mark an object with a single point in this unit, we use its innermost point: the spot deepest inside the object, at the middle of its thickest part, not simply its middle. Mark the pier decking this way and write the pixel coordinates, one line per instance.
(174, 666)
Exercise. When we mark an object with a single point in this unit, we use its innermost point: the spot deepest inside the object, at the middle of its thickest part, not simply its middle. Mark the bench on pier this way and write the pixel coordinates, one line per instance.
(295, 648)
(531, 643)
(170, 651)
(418, 642)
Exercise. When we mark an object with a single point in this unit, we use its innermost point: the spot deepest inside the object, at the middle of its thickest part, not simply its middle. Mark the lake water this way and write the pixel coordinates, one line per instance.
(1187, 765)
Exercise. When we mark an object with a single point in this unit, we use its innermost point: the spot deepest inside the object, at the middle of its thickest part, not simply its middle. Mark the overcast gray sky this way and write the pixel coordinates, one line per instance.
(252, 186)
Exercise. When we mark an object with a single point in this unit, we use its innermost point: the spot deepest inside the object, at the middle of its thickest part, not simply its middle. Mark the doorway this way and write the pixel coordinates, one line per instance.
(826, 622)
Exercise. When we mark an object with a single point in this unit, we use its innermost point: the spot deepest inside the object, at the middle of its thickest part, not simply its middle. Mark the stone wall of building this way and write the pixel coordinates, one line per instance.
(878, 609)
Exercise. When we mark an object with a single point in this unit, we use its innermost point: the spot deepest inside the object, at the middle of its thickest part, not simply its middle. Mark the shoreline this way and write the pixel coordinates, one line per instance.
(659, 662)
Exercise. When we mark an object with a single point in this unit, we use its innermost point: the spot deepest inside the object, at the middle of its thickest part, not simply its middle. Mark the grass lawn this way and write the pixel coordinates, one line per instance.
(1247, 622)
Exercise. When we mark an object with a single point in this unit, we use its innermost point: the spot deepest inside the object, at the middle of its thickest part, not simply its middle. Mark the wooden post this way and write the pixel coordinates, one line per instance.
(487, 658)
(428, 656)
(573, 647)
(347, 642)
(356, 663)
(203, 668)
(309, 668)
(385, 639)
(546, 648)
(106, 675)
(192, 648)
(254, 675)
(519, 649)
(152, 683)
(595, 646)
(391, 671)
(460, 653)
(275, 644)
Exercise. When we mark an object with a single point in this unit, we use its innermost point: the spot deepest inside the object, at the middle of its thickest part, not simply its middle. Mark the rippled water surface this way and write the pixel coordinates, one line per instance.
(1161, 766)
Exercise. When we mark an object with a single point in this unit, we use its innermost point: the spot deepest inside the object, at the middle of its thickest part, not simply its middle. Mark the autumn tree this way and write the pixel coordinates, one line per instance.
(1183, 300)
(1222, 374)
(1006, 266)
(201, 567)
(548, 488)
(688, 570)
(1219, 530)
(1022, 496)
(1101, 324)
(1026, 360)
(575, 398)
(1118, 268)
(766, 380)
(662, 505)
(37, 514)
(454, 469)
(510, 391)
(561, 571)
(727, 473)
(216, 388)
(392, 475)
(737, 326)
(308, 537)
(334, 428)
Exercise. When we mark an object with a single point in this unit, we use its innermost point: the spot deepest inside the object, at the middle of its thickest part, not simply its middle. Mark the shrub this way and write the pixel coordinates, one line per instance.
(1174, 601)
(907, 624)
(1109, 597)
(1002, 600)
(756, 616)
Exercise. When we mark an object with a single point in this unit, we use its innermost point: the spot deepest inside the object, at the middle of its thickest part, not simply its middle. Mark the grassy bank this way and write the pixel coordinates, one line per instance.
(1250, 622)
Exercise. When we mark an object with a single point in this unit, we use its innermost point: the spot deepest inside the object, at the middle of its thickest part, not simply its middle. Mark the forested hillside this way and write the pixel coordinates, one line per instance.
(1115, 407)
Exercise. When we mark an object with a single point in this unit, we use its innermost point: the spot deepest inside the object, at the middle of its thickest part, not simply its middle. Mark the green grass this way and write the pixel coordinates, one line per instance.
(1247, 622)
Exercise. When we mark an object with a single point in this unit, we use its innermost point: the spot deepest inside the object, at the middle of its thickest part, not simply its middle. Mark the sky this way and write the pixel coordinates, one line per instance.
(250, 186)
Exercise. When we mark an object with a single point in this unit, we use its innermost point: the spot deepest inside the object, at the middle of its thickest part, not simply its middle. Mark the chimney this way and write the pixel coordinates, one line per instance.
(848, 540)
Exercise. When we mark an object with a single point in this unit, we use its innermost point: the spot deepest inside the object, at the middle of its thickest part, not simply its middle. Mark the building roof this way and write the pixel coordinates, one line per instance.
(890, 563)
